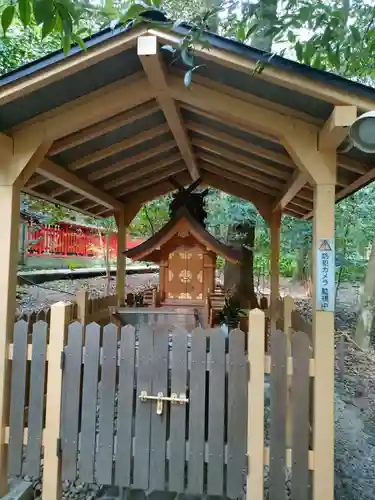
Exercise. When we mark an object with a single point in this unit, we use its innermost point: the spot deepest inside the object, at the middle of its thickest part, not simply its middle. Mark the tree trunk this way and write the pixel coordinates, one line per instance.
(365, 316)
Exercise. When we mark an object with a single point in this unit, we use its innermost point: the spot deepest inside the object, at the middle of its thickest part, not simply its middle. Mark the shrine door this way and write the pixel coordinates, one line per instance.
(185, 274)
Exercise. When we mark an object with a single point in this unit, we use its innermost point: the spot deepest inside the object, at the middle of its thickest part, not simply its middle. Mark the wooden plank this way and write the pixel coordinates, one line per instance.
(300, 411)
(17, 400)
(278, 390)
(197, 414)
(216, 414)
(159, 422)
(255, 412)
(143, 410)
(177, 432)
(104, 469)
(36, 400)
(89, 402)
(237, 413)
(125, 406)
(71, 401)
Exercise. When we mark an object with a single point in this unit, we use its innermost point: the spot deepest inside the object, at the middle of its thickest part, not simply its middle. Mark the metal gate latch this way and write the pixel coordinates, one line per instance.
(160, 398)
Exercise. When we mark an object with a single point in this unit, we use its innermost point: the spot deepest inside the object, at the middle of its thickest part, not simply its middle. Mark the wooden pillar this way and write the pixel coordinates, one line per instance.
(10, 210)
(323, 336)
(275, 223)
(121, 258)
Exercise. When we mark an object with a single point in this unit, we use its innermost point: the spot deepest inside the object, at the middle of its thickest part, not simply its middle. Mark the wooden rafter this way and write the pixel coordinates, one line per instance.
(69, 180)
(240, 144)
(275, 75)
(69, 66)
(104, 127)
(282, 173)
(239, 179)
(76, 198)
(133, 160)
(262, 201)
(59, 191)
(127, 143)
(46, 197)
(336, 128)
(154, 68)
(253, 99)
(241, 170)
(92, 108)
(295, 185)
(342, 161)
(234, 109)
(134, 175)
(149, 181)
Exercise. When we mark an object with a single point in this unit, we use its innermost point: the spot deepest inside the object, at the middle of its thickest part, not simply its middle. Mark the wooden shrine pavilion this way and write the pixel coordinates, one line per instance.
(186, 253)
(106, 130)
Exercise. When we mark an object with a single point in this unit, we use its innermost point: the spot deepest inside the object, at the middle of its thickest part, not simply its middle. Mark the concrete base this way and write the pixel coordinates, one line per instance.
(19, 490)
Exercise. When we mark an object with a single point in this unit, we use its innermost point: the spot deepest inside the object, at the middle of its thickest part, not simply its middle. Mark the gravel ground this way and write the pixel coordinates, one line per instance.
(38, 297)
(354, 395)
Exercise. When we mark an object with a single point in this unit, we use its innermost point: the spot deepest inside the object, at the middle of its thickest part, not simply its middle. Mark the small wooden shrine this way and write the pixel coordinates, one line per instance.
(186, 253)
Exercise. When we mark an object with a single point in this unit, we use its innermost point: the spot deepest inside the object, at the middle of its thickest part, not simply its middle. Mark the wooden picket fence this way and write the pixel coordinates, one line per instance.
(85, 416)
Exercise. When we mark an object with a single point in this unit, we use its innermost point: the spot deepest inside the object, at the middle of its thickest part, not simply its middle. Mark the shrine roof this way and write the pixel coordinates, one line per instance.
(179, 225)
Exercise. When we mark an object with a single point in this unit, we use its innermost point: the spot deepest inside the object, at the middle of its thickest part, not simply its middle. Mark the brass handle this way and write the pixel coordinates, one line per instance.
(160, 398)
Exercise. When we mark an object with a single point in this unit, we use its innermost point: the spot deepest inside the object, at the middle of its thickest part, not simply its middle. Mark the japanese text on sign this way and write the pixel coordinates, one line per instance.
(325, 274)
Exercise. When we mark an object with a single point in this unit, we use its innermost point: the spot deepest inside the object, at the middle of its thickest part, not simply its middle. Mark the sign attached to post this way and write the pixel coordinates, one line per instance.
(325, 275)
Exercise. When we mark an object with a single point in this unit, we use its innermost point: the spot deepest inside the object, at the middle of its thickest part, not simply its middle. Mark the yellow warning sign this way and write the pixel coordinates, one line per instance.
(325, 246)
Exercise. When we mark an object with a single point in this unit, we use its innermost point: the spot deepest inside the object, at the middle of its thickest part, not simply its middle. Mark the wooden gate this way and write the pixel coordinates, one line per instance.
(155, 411)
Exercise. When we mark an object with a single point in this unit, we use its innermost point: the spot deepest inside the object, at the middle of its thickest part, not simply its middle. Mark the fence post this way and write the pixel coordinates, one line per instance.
(82, 300)
(255, 406)
(288, 309)
(52, 461)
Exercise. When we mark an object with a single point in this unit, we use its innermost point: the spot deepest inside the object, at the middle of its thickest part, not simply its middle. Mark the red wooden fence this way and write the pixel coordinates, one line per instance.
(66, 240)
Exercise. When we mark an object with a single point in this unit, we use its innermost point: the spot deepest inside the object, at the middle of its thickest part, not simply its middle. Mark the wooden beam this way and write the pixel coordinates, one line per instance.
(281, 173)
(235, 109)
(275, 75)
(92, 108)
(262, 202)
(59, 191)
(336, 128)
(140, 172)
(253, 99)
(240, 170)
(159, 189)
(153, 65)
(295, 185)
(102, 128)
(48, 198)
(149, 181)
(69, 65)
(119, 146)
(227, 174)
(69, 180)
(76, 198)
(342, 160)
(233, 141)
(133, 160)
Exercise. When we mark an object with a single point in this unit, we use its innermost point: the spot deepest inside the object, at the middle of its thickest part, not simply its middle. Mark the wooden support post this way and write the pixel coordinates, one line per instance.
(275, 222)
(255, 410)
(52, 460)
(288, 309)
(82, 301)
(9, 209)
(121, 258)
(323, 336)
